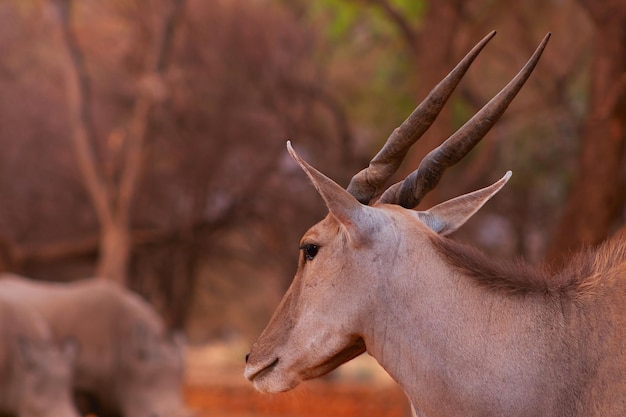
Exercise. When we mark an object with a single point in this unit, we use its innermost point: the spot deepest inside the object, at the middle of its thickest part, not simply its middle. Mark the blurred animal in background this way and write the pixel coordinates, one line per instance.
(129, 365)
(35, 373)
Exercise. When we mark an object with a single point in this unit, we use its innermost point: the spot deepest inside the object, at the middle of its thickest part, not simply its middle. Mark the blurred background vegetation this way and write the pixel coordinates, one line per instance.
(144, 140)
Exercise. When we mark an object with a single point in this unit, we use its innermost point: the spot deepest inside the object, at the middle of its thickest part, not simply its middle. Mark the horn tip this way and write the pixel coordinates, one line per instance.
(292, 152)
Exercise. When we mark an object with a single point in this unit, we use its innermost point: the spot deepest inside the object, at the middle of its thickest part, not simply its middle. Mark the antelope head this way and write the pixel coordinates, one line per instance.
(323, 319)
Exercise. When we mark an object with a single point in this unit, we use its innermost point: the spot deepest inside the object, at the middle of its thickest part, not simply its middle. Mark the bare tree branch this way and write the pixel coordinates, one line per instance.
(79, 106)
(113, 205)
(150, 91)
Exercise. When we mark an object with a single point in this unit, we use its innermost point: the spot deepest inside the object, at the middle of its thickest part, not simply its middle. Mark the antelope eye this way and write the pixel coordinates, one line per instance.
(309, 250)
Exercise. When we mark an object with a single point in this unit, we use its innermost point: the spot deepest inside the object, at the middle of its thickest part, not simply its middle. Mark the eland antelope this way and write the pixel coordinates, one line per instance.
(461, 333)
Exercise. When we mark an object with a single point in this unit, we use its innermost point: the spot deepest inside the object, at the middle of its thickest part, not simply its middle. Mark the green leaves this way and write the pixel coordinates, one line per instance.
(364, 18)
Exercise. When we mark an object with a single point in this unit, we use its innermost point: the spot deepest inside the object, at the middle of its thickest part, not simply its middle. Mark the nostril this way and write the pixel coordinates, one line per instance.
(247, 356)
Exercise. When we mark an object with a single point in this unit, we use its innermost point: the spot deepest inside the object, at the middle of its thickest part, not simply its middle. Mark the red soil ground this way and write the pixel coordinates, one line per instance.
(313, 399)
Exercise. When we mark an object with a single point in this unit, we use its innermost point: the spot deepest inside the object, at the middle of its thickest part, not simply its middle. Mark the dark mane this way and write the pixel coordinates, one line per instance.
(582, 273)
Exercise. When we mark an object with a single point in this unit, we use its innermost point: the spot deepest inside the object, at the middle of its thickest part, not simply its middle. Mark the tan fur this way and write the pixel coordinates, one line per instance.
(463, 334)
(586, 270)
(372, 275)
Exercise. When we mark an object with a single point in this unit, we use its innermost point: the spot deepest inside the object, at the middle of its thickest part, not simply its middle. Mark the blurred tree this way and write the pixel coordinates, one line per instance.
(217, 208)
(112, 200)
(597, 194)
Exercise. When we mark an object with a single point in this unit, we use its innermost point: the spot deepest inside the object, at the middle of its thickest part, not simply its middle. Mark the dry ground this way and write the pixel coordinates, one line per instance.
(216, 388)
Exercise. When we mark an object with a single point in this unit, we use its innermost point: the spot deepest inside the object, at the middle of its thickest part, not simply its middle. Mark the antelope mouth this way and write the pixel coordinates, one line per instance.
(270, 376)
(259, 372)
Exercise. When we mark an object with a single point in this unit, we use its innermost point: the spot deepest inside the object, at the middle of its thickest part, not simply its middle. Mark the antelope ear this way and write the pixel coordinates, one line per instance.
(448, 216)
(342, 205)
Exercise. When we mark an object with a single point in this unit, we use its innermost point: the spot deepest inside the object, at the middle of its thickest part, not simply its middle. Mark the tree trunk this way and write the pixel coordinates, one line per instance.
(114, 253)
(597, 195)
